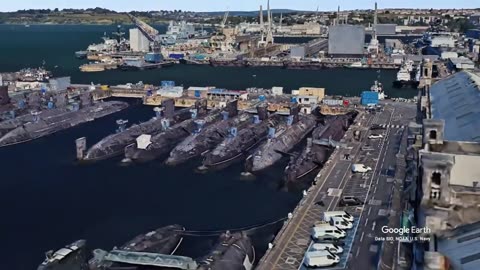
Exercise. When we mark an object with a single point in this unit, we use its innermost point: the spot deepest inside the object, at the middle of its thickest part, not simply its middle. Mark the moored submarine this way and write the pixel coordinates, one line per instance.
(150, 147)
(281, 141)
(234, 251)
(325, 138)
(199, 143)
(241, 140)
(114, 144)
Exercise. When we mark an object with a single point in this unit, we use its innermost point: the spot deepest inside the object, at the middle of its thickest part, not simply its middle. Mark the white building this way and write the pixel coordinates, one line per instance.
(138, 41)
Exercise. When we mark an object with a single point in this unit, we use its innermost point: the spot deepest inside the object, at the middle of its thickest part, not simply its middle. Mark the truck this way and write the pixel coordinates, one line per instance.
(360, 168)
(320, 259)
(327, 233)
(343, 214)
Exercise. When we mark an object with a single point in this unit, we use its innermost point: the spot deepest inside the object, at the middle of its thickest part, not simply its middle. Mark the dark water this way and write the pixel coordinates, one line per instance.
(47, 200)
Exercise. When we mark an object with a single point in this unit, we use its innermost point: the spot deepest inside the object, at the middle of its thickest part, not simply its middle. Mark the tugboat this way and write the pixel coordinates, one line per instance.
(406, 76)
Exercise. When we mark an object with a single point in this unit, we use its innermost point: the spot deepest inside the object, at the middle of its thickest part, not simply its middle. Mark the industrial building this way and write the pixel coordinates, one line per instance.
(385, 29)
(138, 41)
(443, 163)
(346, 40)
(460, 63)
(59, 84)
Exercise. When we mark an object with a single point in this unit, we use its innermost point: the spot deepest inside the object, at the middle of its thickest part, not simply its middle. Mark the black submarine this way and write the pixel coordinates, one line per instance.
(114, 144)
(71, 257)
(280, 142)
(149, 147)
(199, 143)
(48, 122)
(325, 137)
(233, 251)
(241, 140)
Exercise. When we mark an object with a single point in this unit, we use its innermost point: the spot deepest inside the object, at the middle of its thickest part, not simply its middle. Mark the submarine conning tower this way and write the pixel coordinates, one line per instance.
(4, 98)
(201, 106)
(168, 106)
(86, 99)
(232, 108)
(294, 111)
(262, 111)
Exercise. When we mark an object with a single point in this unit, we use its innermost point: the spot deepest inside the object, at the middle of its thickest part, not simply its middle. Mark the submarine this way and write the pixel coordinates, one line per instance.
(281, 142)
(71, 257)
(43, 125)
(241, 140)
(32, 104)
(320, 146)
(149, 147)
(200, 143)
(233, 251)
(114, 144)
(164, 240)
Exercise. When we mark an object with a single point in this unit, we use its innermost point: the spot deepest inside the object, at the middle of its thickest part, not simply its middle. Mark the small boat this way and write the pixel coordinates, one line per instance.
(81, 54)
(356, 65)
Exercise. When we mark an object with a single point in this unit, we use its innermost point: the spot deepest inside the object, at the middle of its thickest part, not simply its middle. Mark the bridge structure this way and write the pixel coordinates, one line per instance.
(150, 259)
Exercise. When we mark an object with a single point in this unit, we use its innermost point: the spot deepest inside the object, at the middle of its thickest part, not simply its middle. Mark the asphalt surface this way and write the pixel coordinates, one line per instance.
(375, 188)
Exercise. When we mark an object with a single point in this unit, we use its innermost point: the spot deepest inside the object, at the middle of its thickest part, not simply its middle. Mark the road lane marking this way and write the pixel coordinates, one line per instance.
(366, 221)
(361, 237)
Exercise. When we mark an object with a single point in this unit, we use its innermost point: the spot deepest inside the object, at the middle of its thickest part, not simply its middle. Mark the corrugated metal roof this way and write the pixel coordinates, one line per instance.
(456, 99)
(462, 247)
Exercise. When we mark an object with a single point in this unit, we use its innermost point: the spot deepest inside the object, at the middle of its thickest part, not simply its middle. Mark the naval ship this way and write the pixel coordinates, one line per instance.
(232, 252)
(200, 143)
(60, 119)
(158, 146)
(114, 144)
(241, 140)
(71, 257)
(164, 240)
(325, 138)
(281, 142)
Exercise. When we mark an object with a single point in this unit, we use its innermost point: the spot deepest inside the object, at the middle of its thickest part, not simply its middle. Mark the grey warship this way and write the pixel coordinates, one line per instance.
(316, 153)
(232, 252)
(281, 142)
(242, 140)
(158, 146)
(199, 143)
(70, 257)
(114, 144)
(45, 123)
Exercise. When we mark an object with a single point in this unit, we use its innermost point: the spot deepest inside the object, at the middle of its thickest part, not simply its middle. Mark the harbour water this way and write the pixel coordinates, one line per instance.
(48, 200)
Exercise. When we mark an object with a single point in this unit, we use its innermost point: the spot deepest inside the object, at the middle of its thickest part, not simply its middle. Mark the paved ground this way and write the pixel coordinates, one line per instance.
(336, 180)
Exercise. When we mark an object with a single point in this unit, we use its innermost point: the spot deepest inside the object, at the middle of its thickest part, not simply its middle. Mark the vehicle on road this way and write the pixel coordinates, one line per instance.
(335, 249)
(343, 214)
(349, 201)
(377, 127)
(390, 172)
(320, 259)
(375, 136)
(360, 168)
(337, 222)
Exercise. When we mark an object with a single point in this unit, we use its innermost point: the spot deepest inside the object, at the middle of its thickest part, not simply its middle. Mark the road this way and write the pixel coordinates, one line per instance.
(336, 180)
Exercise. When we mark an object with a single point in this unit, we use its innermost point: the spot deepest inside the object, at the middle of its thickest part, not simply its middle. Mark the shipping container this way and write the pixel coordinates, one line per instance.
(369, 97)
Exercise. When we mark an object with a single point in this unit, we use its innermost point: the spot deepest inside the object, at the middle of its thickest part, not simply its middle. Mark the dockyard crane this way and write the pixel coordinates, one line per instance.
(224, 21)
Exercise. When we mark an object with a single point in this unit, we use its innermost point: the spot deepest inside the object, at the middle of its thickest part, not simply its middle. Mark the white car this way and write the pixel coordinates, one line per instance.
(335, 249)
(320, 258)
(375, 136)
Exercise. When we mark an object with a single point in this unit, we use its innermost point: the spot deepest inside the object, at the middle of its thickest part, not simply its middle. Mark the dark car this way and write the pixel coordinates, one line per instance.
(350, 201)
(376, 127)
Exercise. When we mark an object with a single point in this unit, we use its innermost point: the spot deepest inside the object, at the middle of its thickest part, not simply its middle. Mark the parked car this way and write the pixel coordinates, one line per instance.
(349, 201)
(375, 136)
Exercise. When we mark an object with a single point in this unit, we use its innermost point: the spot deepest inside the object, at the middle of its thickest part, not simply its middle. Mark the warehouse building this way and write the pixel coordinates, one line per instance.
(386, 29)
(346, 40)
